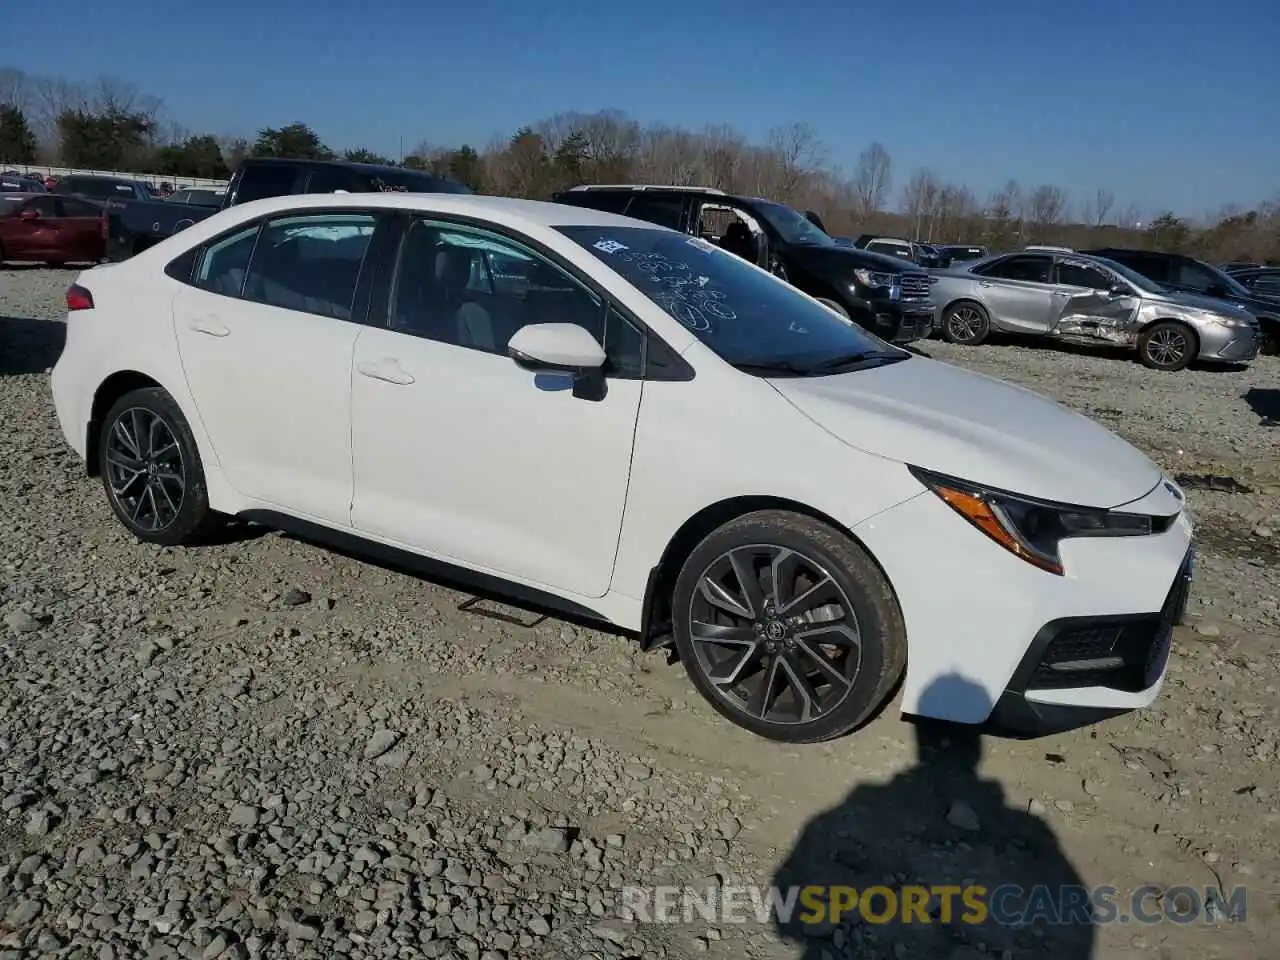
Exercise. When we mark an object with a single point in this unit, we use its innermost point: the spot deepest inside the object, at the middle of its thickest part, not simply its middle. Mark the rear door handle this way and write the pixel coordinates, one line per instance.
(387, 370)
(208, 325)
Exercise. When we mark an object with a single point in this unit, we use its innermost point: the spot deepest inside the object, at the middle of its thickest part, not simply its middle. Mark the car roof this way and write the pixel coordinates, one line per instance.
(534, 212)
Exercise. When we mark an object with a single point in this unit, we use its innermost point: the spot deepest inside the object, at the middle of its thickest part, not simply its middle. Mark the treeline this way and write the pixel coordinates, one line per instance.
(110, 125)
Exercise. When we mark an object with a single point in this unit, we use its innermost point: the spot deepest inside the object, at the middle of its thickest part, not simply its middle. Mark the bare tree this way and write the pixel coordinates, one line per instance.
(51, 98)
(15, 89)
(799, 153)
(1094, 210)
(1130, 218)
(871, 180)
(919, 198)
(1046, 209)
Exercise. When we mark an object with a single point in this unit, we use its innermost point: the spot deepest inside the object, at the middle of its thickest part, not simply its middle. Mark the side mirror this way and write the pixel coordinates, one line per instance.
(563, 348)
(1118, 290)
(29, 214)
(1217, 291)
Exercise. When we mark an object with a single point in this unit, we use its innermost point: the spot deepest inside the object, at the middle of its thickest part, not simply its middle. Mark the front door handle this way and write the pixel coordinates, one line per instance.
(985, 283)
(211, 326)
(388, 370)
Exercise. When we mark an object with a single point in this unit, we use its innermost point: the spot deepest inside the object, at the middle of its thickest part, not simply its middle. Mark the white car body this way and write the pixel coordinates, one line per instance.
(457, 455)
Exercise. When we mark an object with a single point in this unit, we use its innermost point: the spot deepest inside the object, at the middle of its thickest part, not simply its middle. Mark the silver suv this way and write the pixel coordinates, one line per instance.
(1085, 299)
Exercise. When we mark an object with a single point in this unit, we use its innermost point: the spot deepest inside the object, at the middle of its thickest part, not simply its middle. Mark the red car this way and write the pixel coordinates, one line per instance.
(50, 228)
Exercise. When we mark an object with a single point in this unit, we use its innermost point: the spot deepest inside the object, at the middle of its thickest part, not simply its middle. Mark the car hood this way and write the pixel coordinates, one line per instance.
(855, 258)
(976, 428)
(1232, 306)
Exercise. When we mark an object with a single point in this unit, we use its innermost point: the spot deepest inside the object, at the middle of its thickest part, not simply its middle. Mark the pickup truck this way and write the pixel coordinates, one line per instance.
(886, 295)
(131, 226)
(101, 189)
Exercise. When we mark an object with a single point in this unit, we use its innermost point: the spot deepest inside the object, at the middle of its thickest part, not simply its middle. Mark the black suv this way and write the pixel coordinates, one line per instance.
(1188, 275)
(882, 294)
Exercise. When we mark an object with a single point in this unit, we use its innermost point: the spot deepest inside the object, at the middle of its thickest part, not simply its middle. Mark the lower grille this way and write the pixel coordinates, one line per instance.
(1126, 656)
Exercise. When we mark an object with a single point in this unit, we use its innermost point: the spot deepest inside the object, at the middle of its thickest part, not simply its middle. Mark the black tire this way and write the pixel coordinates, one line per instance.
(833, 305)
(852, 584)
(1168, 346)
(151, 505)
(966, 323)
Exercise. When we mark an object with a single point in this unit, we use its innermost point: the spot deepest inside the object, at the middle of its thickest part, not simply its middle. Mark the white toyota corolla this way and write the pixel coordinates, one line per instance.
(595, 415)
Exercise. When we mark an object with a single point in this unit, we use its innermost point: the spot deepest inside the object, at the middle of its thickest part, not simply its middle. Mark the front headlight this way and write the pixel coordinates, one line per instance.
(869, 278)
(1225, 320)
(1029, 528)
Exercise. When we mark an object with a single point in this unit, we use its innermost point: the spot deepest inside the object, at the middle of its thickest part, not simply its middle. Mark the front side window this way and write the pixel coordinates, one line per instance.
(1074, 273)
(470, 288)
(747, 317)
(794, 228)
(1030, 269)
(310, 263)
(1192, 276)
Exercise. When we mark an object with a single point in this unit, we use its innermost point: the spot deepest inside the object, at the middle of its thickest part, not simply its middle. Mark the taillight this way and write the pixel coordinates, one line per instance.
(78, 298)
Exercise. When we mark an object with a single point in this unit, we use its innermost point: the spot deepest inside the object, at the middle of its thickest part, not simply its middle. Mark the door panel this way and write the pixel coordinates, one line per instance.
(268, 356)
(1018, 293)
(461, 454)
(1086, 305)
(273, 390)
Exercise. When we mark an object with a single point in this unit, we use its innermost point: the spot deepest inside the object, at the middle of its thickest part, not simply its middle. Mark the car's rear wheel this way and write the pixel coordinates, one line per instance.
(1167, 345)
(151, 470)
(966, 323)
(787, 627)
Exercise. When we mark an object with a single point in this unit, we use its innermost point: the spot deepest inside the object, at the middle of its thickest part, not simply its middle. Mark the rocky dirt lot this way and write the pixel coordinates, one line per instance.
(260, 748)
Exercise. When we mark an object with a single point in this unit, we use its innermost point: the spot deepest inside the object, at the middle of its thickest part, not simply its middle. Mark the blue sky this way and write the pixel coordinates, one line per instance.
(1170, 105)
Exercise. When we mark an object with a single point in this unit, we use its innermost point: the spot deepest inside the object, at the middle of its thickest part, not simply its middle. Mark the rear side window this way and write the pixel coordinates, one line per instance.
(1032, 269)
(664, 211)
(608, 201)
(310, 263)
(225, 262)
(1153, 268)
(266, 180)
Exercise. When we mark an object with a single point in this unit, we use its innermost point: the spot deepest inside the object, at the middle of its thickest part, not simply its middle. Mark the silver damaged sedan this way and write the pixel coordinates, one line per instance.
(1091, 300)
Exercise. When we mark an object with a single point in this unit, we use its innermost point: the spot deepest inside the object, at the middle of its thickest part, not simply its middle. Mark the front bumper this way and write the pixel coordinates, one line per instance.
(974, 611)
(901, 321)
(1227, 344)
(1078, 669)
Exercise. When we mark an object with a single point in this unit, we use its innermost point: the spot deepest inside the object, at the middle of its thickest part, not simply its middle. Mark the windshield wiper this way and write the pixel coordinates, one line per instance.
(849, 359)
(775, 366)
(819, 367)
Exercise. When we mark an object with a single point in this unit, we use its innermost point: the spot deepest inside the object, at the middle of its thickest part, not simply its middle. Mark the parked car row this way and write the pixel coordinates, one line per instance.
(1171, 309)
(708, 457)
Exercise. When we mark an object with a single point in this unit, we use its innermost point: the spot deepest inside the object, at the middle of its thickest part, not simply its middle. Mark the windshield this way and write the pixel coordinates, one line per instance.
(1137, 279)
(747, 317)
(794, 228)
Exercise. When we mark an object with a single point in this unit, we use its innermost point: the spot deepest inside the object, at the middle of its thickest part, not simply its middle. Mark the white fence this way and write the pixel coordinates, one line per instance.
(152, 178)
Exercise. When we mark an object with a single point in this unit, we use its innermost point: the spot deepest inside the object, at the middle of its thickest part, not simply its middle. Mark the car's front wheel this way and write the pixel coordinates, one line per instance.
(1167, 345)
(152, 472)
(966, 323)
(788, 627)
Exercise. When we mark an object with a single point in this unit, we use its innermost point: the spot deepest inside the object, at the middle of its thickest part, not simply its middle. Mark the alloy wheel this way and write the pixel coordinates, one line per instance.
(1167, 346)
(145, 472)
(965, 324)
(774, 634)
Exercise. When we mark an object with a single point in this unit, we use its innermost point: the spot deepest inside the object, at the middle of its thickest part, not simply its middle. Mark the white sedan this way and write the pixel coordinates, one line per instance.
(602, 417)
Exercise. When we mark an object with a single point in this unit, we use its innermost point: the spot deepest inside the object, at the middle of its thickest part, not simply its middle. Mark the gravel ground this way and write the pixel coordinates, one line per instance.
(259, 748)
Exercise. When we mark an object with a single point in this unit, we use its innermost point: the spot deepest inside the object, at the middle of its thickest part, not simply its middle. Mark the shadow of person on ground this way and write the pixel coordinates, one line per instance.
(934, 825)
(28, 345)
(1265, 402)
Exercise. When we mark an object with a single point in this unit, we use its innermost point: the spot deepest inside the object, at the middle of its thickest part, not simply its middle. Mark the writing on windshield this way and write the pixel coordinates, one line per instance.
(738, 310)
